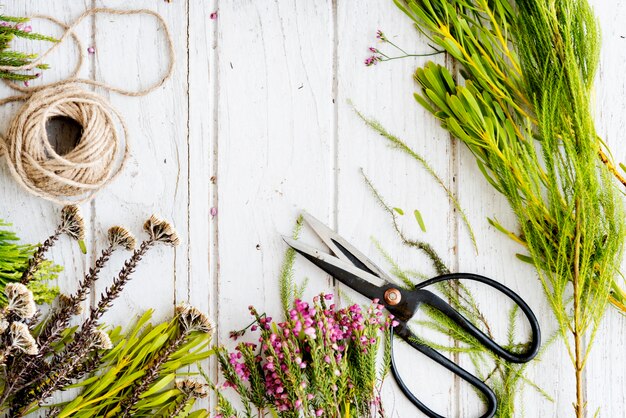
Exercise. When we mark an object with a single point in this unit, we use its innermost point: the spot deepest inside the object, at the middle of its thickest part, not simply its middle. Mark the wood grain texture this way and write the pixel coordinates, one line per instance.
(256, 124)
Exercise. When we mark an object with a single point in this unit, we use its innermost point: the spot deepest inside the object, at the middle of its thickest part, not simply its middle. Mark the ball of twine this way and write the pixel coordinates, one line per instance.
(103, 148)
(94, 162)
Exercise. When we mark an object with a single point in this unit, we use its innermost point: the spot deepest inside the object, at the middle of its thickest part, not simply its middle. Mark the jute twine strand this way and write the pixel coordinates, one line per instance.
(102, 150)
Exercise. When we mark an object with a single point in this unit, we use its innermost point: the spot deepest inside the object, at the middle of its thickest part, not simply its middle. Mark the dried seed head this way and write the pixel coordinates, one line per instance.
(4, 324)
(101, 340)
(191, 319)
(21, 301)
(161, 231)
(192, 388)
(22, 339)
(121, 237)
(72, 222)
(66, 302)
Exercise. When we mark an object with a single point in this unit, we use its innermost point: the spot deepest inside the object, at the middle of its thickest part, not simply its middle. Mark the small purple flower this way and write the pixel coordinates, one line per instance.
(213, 211)
(374, 50)
(91, 50)
(28, 29)
(369, 61)
(213, 15)
(19, 26)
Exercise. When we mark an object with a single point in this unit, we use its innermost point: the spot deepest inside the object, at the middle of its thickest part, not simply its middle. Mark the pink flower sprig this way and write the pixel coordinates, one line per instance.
(380, 56)
(315, 360)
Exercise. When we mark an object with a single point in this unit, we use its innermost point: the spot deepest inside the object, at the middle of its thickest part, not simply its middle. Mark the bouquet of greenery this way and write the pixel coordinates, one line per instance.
(521, 105)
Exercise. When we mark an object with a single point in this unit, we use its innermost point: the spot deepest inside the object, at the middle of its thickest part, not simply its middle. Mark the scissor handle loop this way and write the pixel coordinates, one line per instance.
(403, 332)
(436, 302)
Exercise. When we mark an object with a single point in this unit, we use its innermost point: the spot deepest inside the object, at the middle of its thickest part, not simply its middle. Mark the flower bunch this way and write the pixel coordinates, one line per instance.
(320, 361)
(42, 357)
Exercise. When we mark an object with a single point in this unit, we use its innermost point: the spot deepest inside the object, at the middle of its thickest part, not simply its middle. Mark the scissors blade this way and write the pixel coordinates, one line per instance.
(342, 249)
(363, 282)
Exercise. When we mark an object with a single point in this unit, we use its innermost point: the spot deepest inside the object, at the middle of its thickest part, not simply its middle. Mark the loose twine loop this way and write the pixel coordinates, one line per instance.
(102, 151)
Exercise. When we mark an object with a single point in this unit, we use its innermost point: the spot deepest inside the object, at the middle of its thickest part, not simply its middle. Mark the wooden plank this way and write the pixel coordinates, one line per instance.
(274, 157)
(606, 380)
(202, 141)
(131, 51)
(385, 92)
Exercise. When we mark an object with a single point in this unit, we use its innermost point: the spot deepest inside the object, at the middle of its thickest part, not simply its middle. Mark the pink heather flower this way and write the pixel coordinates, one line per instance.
(310, 396)
(28, 29)
(319, 412)
(310, 331)
(328, 297)
(394, 323)
(254, 328)
(298, 404)
(37, 75)
(26, 83)
(19, 26)
(213, 15)
(5, 24)
(372, 49)
(91, 50)
(213, 211)
(327, 359)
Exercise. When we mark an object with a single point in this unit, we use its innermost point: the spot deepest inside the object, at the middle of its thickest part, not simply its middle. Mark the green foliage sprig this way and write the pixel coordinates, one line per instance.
(522, 108)
(14, 260)
(123, 366)
(16, 27)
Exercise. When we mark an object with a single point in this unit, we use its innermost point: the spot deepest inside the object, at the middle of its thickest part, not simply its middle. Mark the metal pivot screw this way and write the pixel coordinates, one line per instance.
(392, 296)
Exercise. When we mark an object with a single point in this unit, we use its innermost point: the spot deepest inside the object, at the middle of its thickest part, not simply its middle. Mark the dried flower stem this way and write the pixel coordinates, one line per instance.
(152, 373)
(35, 261)
(61, 317)
(58, 321)
(81, 343)
(181, 405)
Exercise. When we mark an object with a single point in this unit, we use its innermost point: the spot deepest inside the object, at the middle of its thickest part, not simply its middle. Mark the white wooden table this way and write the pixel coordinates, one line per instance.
(255, 123)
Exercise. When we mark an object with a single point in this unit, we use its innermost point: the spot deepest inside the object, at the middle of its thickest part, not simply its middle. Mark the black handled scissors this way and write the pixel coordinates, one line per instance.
(352, 268)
